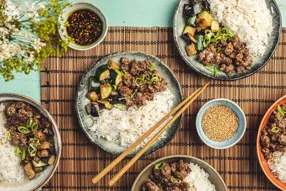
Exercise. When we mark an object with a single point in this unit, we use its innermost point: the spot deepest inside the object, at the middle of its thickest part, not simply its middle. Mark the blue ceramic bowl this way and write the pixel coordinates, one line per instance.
(241, 124)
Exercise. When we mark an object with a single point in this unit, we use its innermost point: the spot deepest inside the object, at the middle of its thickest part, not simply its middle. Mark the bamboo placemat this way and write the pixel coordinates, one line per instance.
(81, 160)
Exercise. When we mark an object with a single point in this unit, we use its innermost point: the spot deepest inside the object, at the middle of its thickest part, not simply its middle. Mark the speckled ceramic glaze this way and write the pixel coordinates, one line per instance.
(86, 121)
(241, 124)
(77, 6)
(258, 63)
(43, 177)
(214, 176)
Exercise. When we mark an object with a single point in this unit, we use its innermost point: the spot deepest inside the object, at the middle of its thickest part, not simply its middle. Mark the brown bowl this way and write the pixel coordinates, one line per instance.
(214, 176)
(262, 160)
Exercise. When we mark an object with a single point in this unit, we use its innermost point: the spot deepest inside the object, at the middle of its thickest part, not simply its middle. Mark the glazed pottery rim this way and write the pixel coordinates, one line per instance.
(95, 9)
(57, 135)
(177, 122)
(271, 177)
(200, 130)
(189, 63)
(174, 157)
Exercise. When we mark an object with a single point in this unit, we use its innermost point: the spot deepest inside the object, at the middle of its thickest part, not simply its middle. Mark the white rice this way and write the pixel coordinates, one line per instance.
(10, 169)
(250, 19)
(277, 164)
(124, 127)
(199, 179)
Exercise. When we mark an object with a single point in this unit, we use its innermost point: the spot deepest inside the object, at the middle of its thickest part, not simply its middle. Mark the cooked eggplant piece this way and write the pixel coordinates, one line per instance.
(48, 131)
(92, 96)
(106, 104)
(102, 73)
(191, 49)
(39, 163)
(189, 38)
(197, 8)
(204, 20)
(115, 98)
(105, 90)
(206, 5)
(93, 84)
(189, 29)
(51, 160)
(94, 110)
(112, 65)
(43, 153)
(40, 135)
(88, 108)
(39, 169)
(45, 145)
(192, 21)
(28, 168)
(215, 26)
(200, 42)
(188, 11)
(115, 77)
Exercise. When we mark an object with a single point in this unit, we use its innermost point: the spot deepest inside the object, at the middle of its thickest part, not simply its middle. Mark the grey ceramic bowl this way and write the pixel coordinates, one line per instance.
(214, 176)
(85, 121)
(43, 177)
(74, 7)
(258, 63)
(241, 124)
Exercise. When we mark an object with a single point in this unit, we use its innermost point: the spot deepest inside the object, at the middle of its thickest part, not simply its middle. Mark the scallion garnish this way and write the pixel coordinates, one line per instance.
(281, 111)
(23, 129)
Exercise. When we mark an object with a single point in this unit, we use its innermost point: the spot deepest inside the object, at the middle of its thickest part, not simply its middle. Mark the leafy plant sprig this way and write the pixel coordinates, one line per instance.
(29, 35)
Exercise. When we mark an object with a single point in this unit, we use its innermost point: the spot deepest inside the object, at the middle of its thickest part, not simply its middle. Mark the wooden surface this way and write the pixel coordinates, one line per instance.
(81, 160)
(145, 13)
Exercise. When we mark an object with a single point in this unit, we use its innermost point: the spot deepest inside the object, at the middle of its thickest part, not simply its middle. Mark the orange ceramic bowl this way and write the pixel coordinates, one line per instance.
(262, 160)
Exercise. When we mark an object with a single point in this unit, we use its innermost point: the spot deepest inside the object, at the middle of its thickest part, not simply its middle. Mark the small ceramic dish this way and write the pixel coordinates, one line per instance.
(241, 124)
(77, 6)
(214, 176)
(262, 161)
(43, 177)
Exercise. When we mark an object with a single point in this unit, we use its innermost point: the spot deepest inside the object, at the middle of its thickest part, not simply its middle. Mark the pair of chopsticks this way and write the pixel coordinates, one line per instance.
(178, 110)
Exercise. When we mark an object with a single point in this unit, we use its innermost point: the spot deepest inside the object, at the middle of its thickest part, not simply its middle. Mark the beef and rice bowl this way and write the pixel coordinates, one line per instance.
(26, 142)
(126, 98)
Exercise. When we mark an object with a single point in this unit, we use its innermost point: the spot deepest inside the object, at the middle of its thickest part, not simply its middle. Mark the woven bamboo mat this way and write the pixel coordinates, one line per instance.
(81, 160)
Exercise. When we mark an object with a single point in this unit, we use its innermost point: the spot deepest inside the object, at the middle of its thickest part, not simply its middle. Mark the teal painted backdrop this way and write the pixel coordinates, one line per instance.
(144, 13)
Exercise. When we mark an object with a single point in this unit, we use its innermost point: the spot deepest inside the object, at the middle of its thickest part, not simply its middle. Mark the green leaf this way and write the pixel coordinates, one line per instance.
(281, 111)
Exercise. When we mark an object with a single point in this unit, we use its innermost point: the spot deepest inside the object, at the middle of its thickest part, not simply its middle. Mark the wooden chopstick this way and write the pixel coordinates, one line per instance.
(134, 145)
(189, 101)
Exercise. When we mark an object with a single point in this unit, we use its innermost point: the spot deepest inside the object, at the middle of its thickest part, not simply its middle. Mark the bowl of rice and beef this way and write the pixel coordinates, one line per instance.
(227, 39)
(30, 144)
(271, 143)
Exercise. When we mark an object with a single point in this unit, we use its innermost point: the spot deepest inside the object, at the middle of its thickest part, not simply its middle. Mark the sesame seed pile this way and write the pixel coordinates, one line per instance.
(219, 123)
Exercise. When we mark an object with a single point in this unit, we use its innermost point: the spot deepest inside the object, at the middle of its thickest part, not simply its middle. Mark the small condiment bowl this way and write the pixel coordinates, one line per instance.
(241, 124)
(77, 6)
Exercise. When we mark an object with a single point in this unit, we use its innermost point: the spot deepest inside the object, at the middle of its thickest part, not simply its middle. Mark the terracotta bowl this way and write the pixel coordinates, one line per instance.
(262, 160)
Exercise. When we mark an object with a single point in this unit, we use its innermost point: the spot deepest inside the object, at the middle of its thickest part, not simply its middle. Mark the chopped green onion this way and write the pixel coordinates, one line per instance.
(275, 129)
(159, 166)
(34, 127)
(215, 71)
(18, 151)
(23, 154)
(138, 81)
(118, 72)
(114, 87)
(120, 106)
(175, 180)
(9, 134)
(29, 123)
(152, 67)
(213, 68)
(32, 150)
(281, 111)
(23, 129)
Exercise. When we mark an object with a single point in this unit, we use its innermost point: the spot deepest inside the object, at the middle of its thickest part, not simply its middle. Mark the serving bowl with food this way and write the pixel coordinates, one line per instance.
(220, 123)
(227, 39)
(179, 172)
(30, 144)
(122, 96)
(85, 24)
(271, 141)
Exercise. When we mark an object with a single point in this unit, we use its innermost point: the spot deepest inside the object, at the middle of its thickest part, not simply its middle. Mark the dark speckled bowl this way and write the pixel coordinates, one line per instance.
(81, 100)
(178, 27)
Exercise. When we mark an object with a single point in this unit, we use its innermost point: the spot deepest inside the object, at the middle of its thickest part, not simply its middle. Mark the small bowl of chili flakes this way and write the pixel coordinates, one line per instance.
(221, 123)
(85, 24)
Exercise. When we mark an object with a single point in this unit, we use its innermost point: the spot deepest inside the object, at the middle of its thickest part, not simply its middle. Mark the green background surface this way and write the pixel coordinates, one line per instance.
(143, 13)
